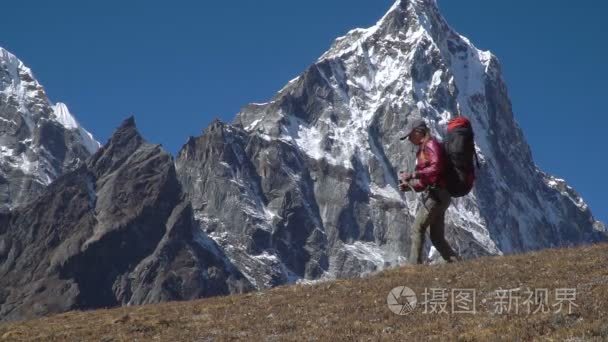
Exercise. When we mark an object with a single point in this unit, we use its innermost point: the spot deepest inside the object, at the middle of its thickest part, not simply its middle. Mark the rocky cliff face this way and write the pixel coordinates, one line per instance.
(115, 231)
(39, 141)
(305, 186)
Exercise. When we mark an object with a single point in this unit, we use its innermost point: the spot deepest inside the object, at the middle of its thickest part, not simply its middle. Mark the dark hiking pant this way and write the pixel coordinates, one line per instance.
(431, 214)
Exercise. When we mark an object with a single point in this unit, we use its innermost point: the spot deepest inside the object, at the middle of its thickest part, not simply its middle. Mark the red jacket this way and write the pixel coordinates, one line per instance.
(430, 165)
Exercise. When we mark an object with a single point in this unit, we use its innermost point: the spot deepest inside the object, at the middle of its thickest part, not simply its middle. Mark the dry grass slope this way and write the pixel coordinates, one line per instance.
(356, 309)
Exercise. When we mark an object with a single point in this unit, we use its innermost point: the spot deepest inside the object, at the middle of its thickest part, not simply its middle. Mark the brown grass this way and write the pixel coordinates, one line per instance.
(356, 309)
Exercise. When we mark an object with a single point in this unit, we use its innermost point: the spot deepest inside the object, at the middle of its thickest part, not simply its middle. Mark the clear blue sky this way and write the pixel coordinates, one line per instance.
(178, 64)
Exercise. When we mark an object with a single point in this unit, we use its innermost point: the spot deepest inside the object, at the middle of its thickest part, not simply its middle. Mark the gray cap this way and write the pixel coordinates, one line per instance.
(412, 126)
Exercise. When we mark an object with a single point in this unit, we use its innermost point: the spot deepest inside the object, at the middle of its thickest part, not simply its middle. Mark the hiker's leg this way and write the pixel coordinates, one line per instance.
(417, 236)
(421, 222)
(437, 228)
(439, 241)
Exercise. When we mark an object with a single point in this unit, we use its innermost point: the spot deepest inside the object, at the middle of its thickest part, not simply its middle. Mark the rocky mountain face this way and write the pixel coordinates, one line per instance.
(39, 141)
(305, 186)
(116, 231)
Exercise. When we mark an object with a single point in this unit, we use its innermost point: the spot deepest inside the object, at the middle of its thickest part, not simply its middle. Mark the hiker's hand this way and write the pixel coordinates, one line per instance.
(406, 177)
(402, 175)
(404, 187)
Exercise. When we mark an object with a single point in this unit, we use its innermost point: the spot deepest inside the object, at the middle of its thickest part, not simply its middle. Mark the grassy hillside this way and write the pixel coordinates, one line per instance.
(357, 309)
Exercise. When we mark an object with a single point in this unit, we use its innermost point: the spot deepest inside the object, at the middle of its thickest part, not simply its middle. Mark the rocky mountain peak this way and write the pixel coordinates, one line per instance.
(122, 145)
(325, 150)
(39, 141)
(115, 231)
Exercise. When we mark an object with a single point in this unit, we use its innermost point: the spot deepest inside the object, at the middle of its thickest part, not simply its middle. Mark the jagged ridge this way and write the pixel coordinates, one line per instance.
(115, 231)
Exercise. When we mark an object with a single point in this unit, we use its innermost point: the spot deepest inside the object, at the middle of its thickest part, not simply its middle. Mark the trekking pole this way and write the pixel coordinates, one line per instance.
(419, 197)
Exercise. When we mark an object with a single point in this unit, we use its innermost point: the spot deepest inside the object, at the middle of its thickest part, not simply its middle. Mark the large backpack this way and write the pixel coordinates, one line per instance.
(459, 146)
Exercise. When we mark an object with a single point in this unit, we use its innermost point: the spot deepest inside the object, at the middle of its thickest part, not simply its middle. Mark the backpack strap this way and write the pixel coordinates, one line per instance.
(476, 159)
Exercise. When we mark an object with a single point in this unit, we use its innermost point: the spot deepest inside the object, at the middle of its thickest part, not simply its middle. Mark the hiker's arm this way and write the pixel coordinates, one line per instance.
(412, 184)
(417, 185)
(434, 164)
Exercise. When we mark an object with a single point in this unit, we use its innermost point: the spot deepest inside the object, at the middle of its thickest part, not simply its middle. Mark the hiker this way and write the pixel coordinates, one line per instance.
(429, 179)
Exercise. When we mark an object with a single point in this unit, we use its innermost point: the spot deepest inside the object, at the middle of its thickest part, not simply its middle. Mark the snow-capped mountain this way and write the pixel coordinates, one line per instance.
(39, 141)
(305, 186)
(62, 115)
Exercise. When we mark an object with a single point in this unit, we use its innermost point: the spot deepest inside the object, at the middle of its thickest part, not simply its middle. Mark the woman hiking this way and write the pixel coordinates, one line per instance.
(429, 179)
